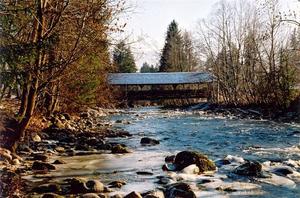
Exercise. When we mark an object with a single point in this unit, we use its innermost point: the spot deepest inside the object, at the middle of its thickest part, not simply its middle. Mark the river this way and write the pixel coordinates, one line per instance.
(215, 136)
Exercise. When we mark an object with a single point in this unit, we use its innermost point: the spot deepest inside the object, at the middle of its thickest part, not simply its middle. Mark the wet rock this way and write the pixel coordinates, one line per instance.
(77, 185)
(186, 158)
(60, 149)
(120, 149)
(283, 171)
(226, 189)
(51, 195)
(42, 166)
(90, 195)
(16, 162)
(144, 173)
(153, 194)
(133, 195)
(41, 157)
(47, 188)
(36, 138)
(59, 161)
(117, 184)
(250, 168)
(118, 121)
(222, 162)
(179, 190)
(149, 141)
(95, 186)
(170, 159)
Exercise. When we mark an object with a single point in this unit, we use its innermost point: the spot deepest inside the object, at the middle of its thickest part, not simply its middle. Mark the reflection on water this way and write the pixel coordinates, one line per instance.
(217, 137)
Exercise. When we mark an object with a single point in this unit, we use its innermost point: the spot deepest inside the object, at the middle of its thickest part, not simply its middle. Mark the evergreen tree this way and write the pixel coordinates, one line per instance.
(178, 53)
(123, 59)
(146, 68)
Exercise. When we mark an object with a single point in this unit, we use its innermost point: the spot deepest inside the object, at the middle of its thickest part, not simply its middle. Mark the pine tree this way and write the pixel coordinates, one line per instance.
(178, 54)
(123, 59)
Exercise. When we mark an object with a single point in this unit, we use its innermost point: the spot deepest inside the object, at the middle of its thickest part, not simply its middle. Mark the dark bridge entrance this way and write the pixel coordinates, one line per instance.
(163, 86)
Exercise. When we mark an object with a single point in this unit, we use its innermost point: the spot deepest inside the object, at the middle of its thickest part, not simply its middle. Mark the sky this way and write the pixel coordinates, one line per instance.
(148, 21)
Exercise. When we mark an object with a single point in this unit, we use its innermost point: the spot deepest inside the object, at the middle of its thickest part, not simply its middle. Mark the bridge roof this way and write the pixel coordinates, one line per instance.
(159, 78)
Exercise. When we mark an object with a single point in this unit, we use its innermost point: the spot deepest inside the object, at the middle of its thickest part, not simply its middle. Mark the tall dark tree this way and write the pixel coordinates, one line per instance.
(123, 59)
(178, 54)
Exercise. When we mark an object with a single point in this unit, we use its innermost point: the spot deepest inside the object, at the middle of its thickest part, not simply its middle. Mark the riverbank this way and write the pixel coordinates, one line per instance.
(74, 154)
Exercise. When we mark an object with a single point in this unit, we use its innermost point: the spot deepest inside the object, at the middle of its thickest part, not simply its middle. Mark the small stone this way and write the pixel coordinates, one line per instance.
(149, 141)
(120, 149)
(117, 184)
(133, 195)
(78, 185)
(59, 161)
(36, 138)
(60, 149)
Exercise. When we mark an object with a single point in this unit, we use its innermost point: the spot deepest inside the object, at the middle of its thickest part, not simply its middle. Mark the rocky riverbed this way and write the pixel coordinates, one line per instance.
(149, 152)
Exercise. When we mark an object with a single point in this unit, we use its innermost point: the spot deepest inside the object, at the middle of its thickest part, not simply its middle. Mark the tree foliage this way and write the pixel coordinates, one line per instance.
(43, 40)
(123, 59)
(146, 68)
(178, 54)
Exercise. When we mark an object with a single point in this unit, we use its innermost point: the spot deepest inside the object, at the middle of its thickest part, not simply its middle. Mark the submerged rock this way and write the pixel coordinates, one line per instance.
(149, 141)
(250, 168)
(120, 149)
(283, 171)
(117, 184)
(133, 195)
(179, 190)
(47, 188)
(186, 158)
(42, 166)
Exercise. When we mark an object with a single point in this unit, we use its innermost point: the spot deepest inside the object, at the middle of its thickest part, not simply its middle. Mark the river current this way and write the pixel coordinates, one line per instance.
(270, 143)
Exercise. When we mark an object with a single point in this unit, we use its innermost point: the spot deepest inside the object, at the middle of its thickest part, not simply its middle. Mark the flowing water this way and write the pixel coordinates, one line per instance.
(272, 144)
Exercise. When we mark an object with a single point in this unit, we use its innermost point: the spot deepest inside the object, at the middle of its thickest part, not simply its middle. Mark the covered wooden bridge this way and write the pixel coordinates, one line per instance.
(163, 85)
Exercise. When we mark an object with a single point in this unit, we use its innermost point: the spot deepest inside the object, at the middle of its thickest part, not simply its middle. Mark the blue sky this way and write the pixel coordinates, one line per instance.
(147, 25)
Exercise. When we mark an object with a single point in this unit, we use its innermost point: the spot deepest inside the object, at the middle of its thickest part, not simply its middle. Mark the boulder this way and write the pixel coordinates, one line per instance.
(283, 171)
(47, 188)
(117, 184)
(186, 158)
(133, 195)
(90, 195)
(42, 166)
(77, 185)
(149, 141)
(250, 168)
(179, 190)
(119, 149)
(94, 186)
